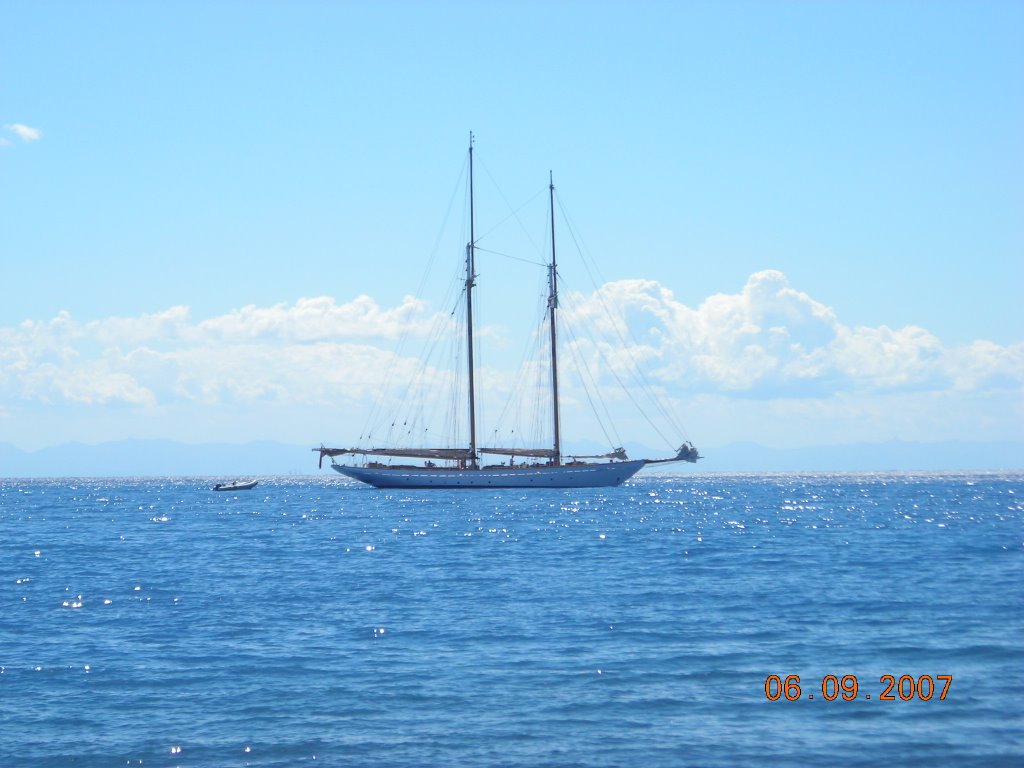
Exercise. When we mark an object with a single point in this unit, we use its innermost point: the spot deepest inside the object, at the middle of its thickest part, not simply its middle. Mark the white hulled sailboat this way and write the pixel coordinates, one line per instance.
(460, 467)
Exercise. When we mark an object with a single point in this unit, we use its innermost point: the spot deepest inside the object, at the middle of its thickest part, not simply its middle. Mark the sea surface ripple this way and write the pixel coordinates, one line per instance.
(312, 621)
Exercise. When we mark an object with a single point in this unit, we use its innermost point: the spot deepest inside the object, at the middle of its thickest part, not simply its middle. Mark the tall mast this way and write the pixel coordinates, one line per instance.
(470, 275)
(552, 307)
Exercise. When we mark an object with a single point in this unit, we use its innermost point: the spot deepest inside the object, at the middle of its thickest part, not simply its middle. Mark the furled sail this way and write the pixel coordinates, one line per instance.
(449, 454)
(543, 453)
(618, 453)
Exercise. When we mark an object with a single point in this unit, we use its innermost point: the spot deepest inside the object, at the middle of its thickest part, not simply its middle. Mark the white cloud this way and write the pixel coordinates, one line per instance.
(24, 132)
(766, 359)
(304, 353)
(95, 383)
(319, 318)
(772, 340)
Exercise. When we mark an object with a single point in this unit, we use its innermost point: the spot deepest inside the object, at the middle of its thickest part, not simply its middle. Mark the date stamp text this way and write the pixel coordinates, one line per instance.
(849, 688)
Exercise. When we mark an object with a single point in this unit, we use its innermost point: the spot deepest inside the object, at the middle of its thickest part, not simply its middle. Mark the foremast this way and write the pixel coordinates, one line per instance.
(470, 282)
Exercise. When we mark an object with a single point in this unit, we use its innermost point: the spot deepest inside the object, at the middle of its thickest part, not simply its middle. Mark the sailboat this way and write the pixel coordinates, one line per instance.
(460, 467)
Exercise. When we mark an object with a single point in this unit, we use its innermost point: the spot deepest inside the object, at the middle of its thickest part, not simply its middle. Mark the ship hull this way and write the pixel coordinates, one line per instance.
(566, 476)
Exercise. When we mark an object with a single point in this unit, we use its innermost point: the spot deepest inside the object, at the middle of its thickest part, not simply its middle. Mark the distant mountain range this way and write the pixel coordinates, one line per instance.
(161, 458)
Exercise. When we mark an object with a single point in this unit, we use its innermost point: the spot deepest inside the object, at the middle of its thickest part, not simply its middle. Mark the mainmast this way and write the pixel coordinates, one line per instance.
(552, 306)
(470, 276)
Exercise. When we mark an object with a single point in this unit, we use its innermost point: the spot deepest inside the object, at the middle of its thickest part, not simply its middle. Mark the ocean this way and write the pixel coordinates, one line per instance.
(312, 621)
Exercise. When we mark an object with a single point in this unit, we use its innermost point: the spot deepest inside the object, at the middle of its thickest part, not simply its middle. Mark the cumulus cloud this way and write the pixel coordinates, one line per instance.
(304, 352)
(319, 318)
(24, 132)
(770, 339)
(767, 343)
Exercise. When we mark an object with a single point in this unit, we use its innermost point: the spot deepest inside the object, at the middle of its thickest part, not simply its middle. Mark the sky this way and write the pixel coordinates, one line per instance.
(214, 216)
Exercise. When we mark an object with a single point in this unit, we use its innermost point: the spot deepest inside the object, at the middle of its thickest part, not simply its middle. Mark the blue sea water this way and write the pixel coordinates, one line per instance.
(316, 622)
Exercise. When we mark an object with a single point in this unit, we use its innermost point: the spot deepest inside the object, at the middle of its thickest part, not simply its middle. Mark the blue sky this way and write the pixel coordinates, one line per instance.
(853, 170)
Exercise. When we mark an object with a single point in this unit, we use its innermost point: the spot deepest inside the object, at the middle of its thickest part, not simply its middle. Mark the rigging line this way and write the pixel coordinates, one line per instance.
(455, 384)
(406, 329)
(418, 386)
(542, 401)
(513, 212)
(448, 378)
(422, 377)
(583, 371)
(515, 215)
(532, 350)
(419, 399)
(434, 336)
(518, 384)
(629, 393)
(536, 401)
(636, 374)
(586, 374)
(457, 418)
(629, 347)
(588, 261)
(645, 386)
(407, 326)
(510, 256)
(444, 226)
